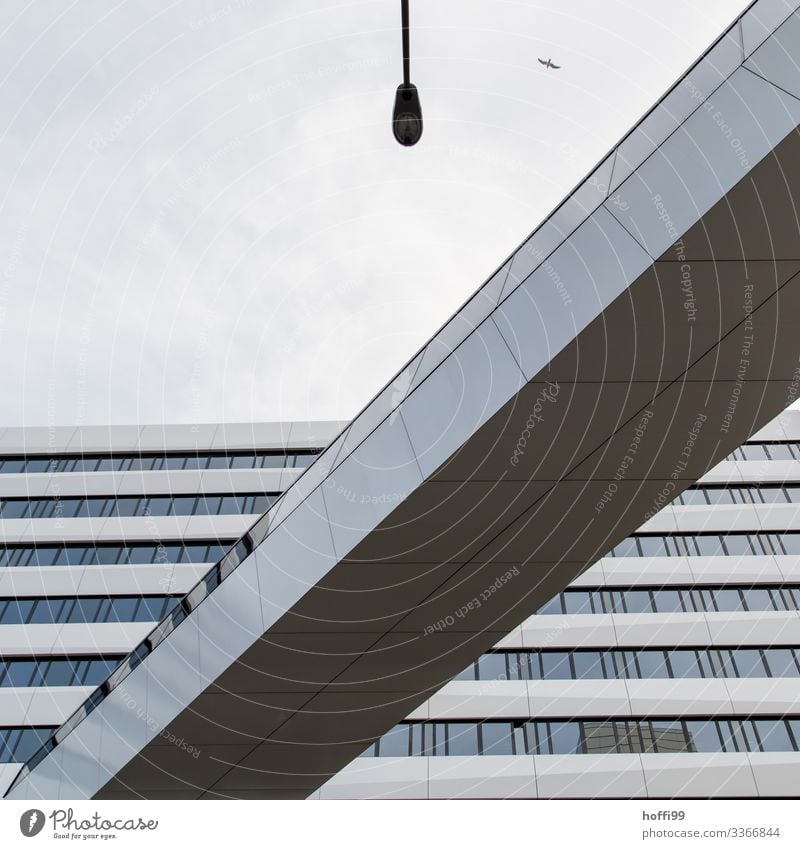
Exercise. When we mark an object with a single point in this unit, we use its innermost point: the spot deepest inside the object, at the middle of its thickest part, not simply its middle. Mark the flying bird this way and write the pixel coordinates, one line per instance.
(549, 64)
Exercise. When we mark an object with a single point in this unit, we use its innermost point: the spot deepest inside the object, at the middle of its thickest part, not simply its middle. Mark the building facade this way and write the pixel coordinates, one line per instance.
(669, 669)
(104, 530)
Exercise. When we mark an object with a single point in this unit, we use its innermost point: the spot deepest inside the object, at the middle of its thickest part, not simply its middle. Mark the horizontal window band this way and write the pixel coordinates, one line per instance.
(57, 671)
(750, 493)
(72, 657)
(85, 609)
(72, 507)
(17, 744)
(708, 544)
(589, 736)
(626, 664)
(767, 450)
(727, 598)
(154, 461)
(109, 554)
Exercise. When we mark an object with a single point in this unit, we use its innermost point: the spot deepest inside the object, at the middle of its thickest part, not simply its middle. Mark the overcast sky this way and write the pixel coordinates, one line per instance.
(204, 215)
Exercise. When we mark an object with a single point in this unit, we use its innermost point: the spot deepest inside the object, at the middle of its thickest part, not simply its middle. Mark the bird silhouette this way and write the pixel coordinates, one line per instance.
(549, 64)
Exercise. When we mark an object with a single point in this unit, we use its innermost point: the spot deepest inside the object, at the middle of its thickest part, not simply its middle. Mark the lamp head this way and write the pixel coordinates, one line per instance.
(407, 116)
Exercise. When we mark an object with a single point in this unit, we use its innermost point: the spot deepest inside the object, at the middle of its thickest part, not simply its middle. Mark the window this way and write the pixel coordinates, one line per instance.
(169, 462)
(628, 736)
(55, 672)
(683, 663)
(749, 663)
(564, 738)
(577, 601)
(468, 674)
(107, 555)
(627, 548)
(611, 602)
(703, 736)
(492, 667)
(634, 663)
(779, 452)
(551, 607)
(588, 664)
(434, 740)
(652, 664)
(667, 601)
(698, 495)
(497, 738)
(462, 738)
(675, 600)
(773, 736)
(790, 543)
(178, 505)
(590, 736)
(598, 737)
(518, 666)
(727, 600)
(652, 546)
(638, 601)
(740, 545)
(666, 736)
(88, 609)
(760, 451)
(394, 742)
(782, 663)
(18, 744)
(556, 665)
(709, 545)
(757, 598)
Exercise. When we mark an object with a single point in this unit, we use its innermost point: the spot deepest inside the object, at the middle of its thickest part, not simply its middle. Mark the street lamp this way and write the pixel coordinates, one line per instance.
(407, 115)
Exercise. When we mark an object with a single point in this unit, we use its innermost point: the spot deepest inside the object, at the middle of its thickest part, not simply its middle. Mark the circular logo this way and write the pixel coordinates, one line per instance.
(31, 822)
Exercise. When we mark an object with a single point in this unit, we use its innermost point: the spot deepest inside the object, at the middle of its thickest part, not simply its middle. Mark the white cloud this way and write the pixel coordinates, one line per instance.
(206, 217)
